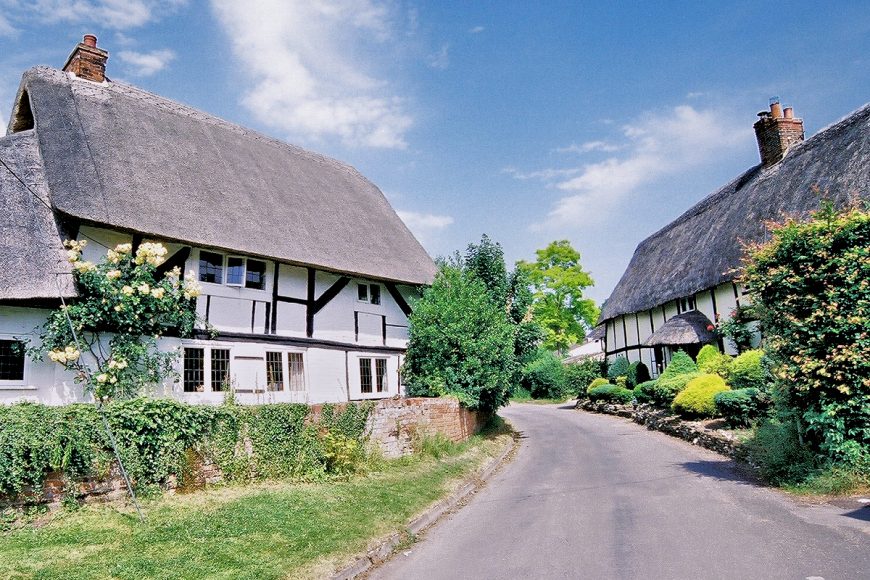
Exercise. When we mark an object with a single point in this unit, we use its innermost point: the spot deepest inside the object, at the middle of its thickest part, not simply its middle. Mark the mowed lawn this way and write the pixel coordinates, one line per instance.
(268, 530)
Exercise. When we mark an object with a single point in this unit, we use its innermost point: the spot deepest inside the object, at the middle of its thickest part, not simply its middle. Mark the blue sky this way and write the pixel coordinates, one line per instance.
(528, 121)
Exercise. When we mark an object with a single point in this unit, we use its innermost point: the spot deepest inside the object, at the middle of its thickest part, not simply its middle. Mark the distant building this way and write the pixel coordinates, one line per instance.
(681, 279)
(307, 272)
(591, 348)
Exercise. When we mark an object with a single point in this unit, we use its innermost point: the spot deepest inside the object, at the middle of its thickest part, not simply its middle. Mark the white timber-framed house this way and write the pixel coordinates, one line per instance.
(682, 279)
(307, 271)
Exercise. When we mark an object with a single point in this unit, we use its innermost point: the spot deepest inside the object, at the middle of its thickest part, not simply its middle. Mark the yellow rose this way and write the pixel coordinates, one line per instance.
(113, 274)
(144, 289)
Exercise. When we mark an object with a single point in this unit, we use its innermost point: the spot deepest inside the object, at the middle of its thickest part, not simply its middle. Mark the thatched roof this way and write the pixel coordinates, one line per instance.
(702, 247)
(32, 259)
(687, 328)
(118, 156)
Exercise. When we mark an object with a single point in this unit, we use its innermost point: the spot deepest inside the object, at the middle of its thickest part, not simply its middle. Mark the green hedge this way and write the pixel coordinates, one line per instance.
(611, 394)
(741, 407)
(158, 439)
(697, 399)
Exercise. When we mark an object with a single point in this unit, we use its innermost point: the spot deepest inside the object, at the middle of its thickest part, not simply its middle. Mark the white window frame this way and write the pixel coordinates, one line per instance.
(207, 387)
(390, 388)
(24, 383)
(368, 298)
(225, 269)
(285, 369)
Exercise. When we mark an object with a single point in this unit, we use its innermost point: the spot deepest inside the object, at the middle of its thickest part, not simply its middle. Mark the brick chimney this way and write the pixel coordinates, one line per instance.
(87, 61)
(776, 131)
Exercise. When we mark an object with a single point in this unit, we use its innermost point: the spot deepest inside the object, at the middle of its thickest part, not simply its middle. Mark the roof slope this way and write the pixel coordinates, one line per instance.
(33, 259)
(117, 155)
(702, 247)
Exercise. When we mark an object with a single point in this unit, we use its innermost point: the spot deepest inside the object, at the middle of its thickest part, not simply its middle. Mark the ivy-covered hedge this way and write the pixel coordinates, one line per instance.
(158, 439)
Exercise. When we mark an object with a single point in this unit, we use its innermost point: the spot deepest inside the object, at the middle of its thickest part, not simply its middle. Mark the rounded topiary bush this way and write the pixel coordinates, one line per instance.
(747, 370)
(644, 392)
(611, 394)
(618, 368)
(713, 362)
(597, 383)
(637, 373)
(681, 363)
(667, 387)
(698, 398)
(741, 407)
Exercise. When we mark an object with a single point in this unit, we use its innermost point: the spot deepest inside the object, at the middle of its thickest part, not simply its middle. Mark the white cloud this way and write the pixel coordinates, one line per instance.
(309, 62)
(113, 14)
(656, 146)
(146, 63)
(588, 147)
(542, 174)
(476, 30)
(6, 28)
(424, 225)
(441, 58)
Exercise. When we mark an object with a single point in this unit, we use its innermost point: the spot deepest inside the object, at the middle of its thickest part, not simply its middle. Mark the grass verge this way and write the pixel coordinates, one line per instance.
(269, 530)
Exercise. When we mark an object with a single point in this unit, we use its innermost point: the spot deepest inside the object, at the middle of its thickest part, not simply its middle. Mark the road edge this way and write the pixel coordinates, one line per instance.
(383, 550)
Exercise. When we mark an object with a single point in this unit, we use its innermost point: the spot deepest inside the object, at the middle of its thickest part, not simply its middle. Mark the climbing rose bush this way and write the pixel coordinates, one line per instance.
(108, 335)
(811, 288)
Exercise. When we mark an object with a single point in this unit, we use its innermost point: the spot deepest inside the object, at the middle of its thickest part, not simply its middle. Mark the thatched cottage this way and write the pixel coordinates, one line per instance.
(307, 272)
(682, 278)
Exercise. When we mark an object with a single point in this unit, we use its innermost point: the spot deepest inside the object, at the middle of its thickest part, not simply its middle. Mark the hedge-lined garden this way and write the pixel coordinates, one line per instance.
(160, 439)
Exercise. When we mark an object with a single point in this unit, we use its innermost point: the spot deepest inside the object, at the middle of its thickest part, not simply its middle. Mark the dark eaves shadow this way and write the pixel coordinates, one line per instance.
(724, 471)
(862, 514)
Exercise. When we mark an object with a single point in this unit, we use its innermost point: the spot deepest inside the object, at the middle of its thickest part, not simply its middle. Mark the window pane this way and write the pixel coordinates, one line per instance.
(256, 277)
(365, 375)
(194, 370)
(381, 374)
(375, 293)
(211, 267)
(275, 371)
(362, 292)
(297, 371)
(220, 369)
(235, 271)
(11, 360)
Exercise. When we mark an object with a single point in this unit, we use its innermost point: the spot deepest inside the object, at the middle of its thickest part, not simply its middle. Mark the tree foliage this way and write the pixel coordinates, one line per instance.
(558, 280)
(810, 286)
(108, 335)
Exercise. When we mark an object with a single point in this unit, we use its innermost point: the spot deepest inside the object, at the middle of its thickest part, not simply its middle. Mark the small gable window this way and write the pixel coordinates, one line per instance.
(370, 293)
(686, 304)
(233, 270)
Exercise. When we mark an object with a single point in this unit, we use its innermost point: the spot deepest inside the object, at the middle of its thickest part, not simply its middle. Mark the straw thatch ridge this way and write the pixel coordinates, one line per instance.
(687, 328)
(118, 156)
(702, 247)
(33, 261)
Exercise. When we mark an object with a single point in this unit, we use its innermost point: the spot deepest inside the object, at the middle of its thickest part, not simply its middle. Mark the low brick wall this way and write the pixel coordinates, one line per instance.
(397, 423)
(662, 420)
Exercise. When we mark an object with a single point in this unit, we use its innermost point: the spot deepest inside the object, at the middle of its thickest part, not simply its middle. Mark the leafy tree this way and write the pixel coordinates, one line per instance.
(461, 342)
(558, 280)
(108, 335)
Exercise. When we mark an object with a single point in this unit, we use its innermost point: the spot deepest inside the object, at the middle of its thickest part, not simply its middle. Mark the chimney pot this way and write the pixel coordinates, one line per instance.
(90, 40)
(776, 132)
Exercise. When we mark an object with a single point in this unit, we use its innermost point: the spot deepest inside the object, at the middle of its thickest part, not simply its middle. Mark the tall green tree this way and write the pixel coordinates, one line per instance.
(558, 280)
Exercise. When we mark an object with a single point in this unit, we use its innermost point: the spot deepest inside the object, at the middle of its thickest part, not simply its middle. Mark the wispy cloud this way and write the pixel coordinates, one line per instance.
(476, 30)
(542, 174)
(424, 225)
(6, 28)
(310, 62)
(656, 145)
(112, 14)
(146, 63)
(588, 147)
(441, 58)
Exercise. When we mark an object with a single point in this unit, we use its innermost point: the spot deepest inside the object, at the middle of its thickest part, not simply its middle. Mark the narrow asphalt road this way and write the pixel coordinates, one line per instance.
(594, 496)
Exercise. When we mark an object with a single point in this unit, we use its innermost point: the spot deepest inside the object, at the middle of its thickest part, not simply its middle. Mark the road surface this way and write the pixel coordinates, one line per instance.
(595, 496)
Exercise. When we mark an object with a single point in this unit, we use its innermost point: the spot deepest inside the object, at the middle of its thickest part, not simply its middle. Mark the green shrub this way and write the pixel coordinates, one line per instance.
(597, 383)
(544, 377)
(713, 362)
(578, 376)
(637, 373)
(741, 407)
(611, 394)
(810, 291)
(747, 371)
(618, 368)
(776, 449)
(697, 399)
(667, 386)
(680, 364)
(644, 392)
